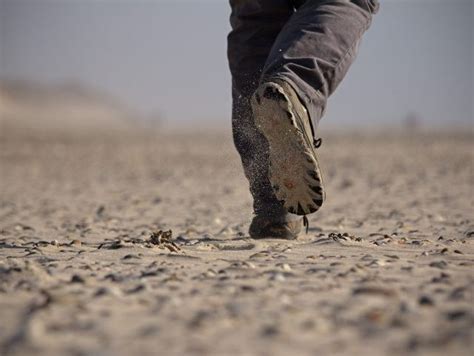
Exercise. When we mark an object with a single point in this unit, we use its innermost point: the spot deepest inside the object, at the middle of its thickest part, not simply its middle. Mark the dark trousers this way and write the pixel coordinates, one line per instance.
(308, 43)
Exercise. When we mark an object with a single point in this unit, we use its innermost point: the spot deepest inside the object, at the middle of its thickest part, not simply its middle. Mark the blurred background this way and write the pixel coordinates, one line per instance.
(155, 63)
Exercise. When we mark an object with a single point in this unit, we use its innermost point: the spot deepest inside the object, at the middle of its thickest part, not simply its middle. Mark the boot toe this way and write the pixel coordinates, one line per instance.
(266, 228)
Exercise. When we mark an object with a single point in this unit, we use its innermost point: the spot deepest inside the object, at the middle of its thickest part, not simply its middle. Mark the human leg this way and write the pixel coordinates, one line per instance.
(309, 58)
(255, 26)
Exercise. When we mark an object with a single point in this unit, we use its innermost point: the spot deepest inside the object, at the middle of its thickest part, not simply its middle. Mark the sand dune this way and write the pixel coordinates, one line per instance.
(33, 109)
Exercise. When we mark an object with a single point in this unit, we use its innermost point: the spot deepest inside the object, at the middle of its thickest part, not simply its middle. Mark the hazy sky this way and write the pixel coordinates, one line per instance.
(169, 57)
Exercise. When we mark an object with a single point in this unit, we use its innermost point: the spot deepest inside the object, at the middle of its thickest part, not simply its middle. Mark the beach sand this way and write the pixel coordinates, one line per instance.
(385, 269)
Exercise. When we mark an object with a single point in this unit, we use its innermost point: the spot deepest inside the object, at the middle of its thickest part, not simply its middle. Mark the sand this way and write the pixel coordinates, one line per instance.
(385, 269)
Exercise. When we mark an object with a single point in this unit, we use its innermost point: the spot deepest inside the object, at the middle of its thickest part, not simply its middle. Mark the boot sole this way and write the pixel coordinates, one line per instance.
(294, 171)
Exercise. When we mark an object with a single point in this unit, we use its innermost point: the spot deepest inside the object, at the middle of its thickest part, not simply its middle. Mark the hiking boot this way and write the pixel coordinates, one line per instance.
(283, 227)
(293, 170)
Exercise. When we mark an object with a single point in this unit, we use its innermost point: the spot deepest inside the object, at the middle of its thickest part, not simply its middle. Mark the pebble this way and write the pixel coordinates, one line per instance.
(269, 331)
(77, 279)
(76, 243)
(458, 293)
(259, 254)
(210, 273)
(443, 277)
(198, 319)
(374, 291)
(377, 263)
(136, 289)
(439, 264)
(425, 300)
(456, 315)
(101, 291)
(279, 277)
(247, 288)
(248, 264)
(130, 256)
(285, 267)
(234, 309)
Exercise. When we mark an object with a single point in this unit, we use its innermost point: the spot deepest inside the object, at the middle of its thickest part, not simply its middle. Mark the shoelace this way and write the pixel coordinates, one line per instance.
(317, 142)
(306, 223)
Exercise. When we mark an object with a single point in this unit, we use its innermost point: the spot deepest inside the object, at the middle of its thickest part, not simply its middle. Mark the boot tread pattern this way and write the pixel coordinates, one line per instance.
(294, 170)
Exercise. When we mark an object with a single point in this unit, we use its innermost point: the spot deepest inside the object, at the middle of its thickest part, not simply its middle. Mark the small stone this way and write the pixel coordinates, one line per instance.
(247, 288)
(374, 290)
(137, 289)
(259, 254)
(210, 273)
(456, 315)
(286, 267)
(101, 291)
(279, 277)
(439, 264)
(100, 211)
(425, 300)
(458, 293)
(76, 243)
(199, 318)
(77, 279)
(55, 243)
(269, 331)
(233, 309)
(248, 264)
(376, 263)
(130, 256)
(443, 278)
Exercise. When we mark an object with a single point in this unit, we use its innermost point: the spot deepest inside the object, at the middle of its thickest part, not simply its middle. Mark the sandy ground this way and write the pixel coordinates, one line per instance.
(386, 268)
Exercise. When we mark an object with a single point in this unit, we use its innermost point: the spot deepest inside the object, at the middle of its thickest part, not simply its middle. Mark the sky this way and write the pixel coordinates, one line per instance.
(168, 58)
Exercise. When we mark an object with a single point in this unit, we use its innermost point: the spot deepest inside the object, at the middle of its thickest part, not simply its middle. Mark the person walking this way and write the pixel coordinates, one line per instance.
(286, 58)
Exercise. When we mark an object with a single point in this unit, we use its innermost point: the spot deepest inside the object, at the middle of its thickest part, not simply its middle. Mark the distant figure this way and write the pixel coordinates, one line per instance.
(286, 58)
